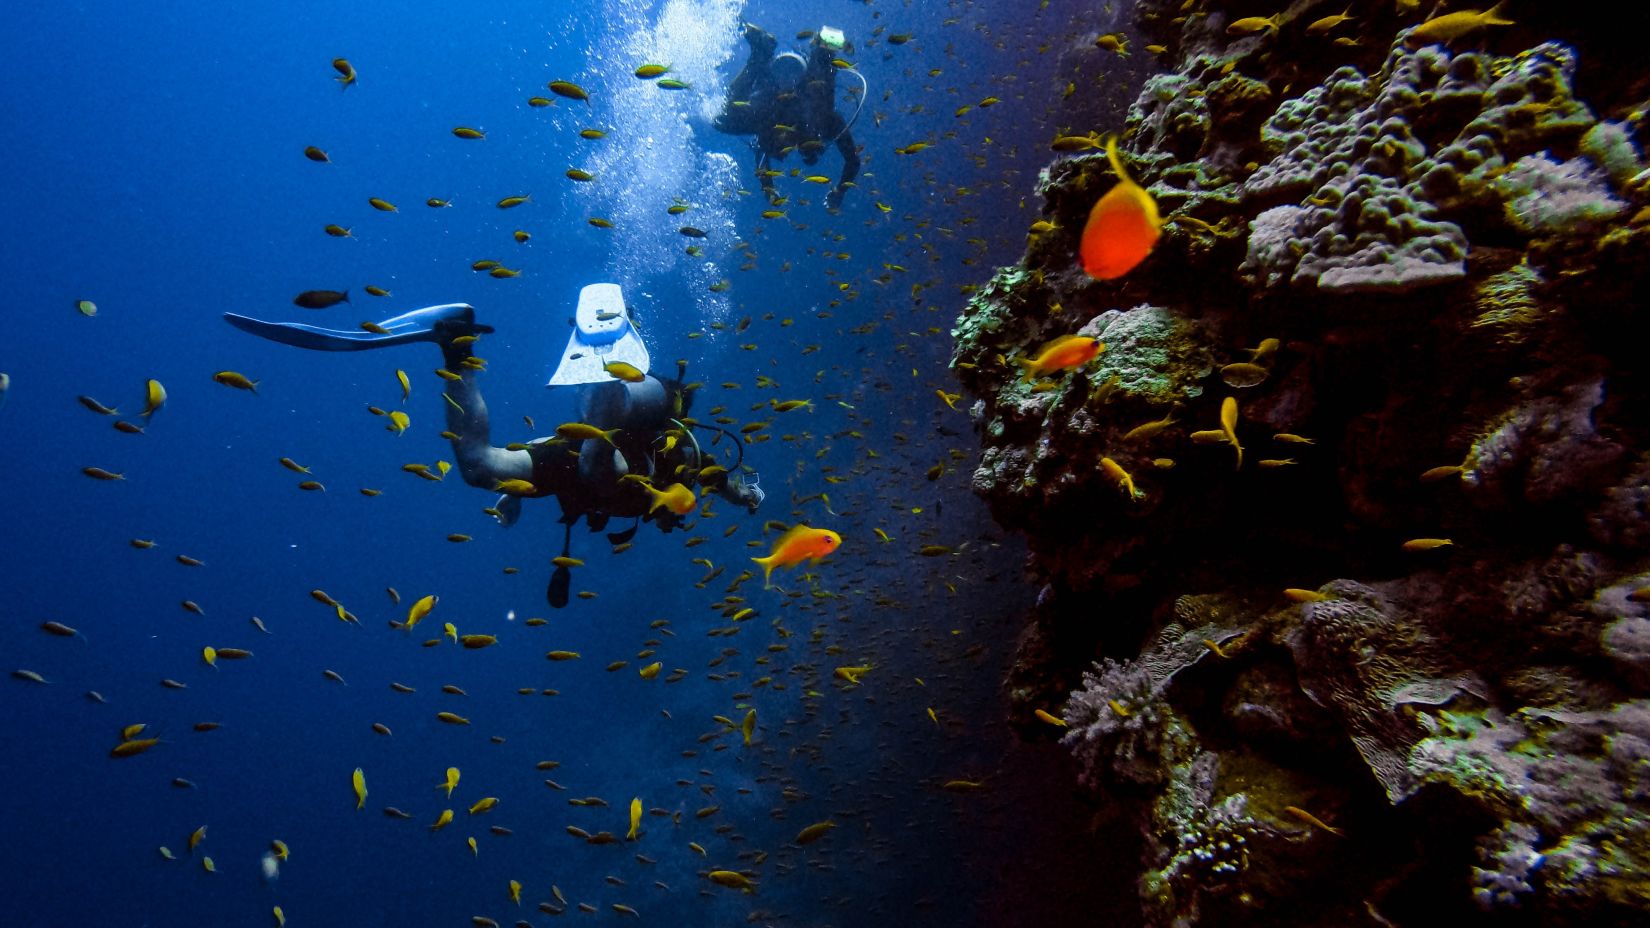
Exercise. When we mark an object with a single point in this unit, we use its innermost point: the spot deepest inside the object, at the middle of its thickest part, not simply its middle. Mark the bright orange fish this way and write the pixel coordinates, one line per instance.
(799, 544)
(1122, 227)
(1064, 352)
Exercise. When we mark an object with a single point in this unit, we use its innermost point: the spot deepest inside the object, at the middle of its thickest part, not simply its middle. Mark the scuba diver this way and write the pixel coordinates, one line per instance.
(789, 103)
(632, 453)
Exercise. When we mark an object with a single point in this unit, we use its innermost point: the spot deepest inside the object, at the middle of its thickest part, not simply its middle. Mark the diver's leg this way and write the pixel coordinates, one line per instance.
(420, 325)
(754, 81)
(479, 463)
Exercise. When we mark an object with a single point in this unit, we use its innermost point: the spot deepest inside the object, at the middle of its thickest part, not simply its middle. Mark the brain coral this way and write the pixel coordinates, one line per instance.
(1368, 168)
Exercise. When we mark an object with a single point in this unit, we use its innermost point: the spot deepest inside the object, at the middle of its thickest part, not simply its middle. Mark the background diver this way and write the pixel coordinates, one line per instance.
(789, 103)
(586, 475)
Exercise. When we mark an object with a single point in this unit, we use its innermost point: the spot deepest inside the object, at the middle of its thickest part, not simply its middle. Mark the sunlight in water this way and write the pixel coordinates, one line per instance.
(694, 38)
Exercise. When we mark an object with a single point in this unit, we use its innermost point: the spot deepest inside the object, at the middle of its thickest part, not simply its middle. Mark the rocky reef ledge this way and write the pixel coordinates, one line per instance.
(1385, 658)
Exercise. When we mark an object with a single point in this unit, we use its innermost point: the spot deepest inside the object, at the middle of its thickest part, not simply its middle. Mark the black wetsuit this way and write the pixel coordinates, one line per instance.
(783, 120)
(557, 471)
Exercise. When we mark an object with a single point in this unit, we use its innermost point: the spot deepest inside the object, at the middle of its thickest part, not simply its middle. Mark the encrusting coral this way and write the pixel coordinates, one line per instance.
(1380, 340)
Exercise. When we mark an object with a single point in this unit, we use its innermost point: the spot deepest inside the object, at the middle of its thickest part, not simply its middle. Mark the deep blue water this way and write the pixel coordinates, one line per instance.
(154, 166)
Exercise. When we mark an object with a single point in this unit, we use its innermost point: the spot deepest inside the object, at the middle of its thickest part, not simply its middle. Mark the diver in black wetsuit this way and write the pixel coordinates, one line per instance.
(789, 104)
(587, 477)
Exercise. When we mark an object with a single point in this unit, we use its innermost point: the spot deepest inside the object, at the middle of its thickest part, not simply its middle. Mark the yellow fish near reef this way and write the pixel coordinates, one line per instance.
(1451, 26)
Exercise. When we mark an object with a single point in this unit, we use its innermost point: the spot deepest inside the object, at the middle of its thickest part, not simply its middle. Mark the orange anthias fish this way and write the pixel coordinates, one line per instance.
(1064, 352)
(799, 544)
(1122, 227)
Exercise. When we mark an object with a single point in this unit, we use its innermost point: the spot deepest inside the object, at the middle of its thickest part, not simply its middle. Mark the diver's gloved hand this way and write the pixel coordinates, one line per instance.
(833, 200)
(746, 493)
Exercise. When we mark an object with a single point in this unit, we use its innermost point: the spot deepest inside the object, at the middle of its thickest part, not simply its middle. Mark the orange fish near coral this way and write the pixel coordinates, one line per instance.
(1122, 227)
(801, 543)
(1062, 353)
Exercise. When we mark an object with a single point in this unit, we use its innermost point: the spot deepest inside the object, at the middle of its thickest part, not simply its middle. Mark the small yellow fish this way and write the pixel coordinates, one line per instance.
(628, 373)
(452, 781)
(1113, 42)
(155, 399)
(1313, 820)
(1049, 718)
(359, 780)
(676, 497)
(1320, 26)
(635, 819)
(1452, 26)
(419, 610)
(1426, 544)
(1121, 477)
(1228, 425)
(1249, 25)
(237, 380)
(732, 879)
(131, 747)
(579, 431)
(1298, 595)
(569, 90)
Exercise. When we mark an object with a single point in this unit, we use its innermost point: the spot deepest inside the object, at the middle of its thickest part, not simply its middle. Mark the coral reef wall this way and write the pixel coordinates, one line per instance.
(1380, 652)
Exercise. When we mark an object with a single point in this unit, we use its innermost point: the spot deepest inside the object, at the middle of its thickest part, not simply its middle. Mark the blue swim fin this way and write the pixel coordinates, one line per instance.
(431, 324)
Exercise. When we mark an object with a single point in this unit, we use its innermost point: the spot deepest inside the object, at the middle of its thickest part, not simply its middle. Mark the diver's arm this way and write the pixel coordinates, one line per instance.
(741, 495)
(479, 463)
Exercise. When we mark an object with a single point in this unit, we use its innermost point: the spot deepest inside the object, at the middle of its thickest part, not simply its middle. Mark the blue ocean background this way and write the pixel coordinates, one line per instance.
(155, 167)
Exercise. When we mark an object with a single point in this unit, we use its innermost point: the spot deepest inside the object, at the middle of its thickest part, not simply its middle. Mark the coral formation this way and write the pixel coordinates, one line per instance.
(1379, 341)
